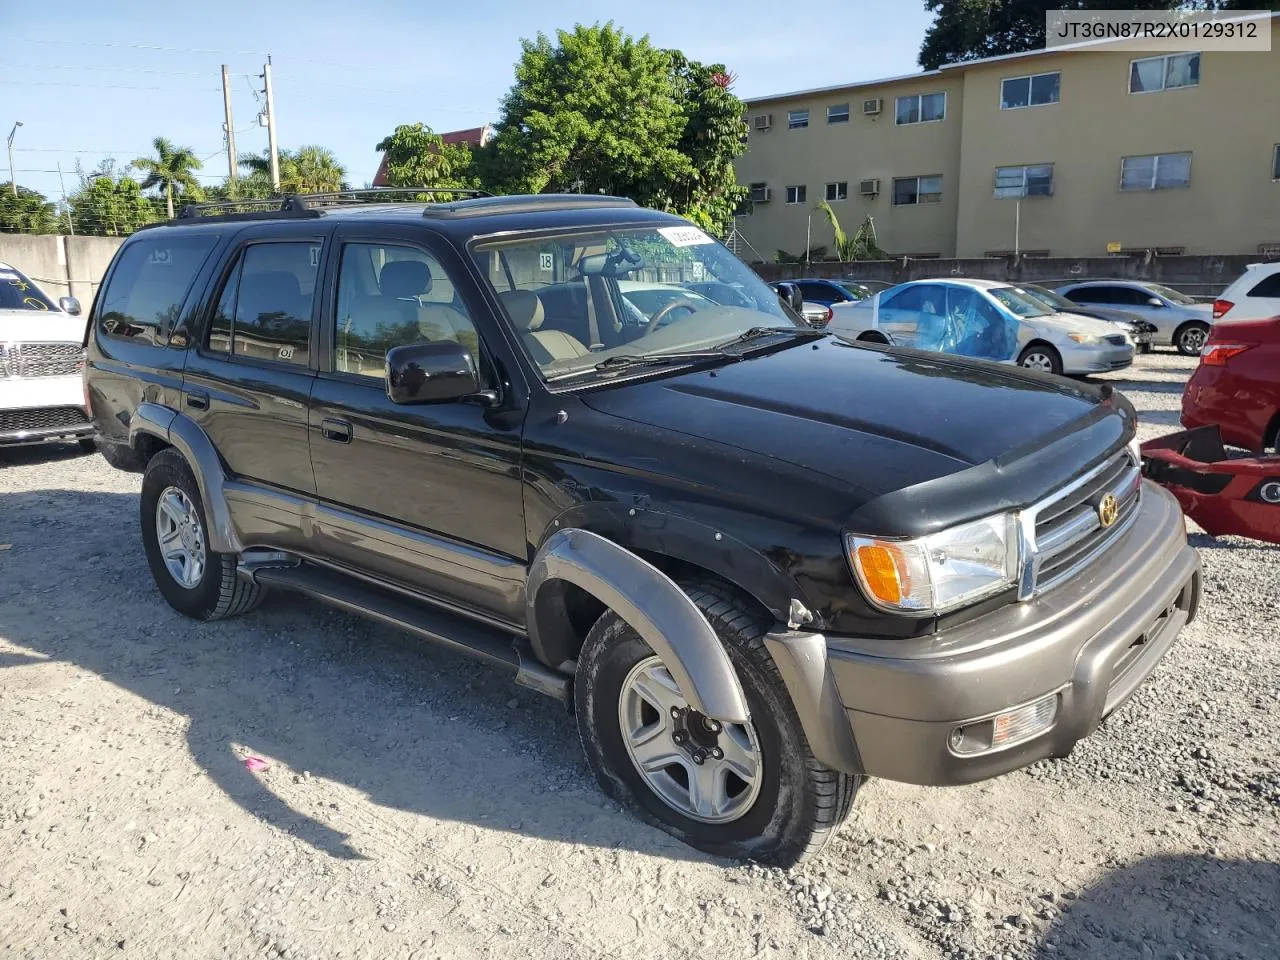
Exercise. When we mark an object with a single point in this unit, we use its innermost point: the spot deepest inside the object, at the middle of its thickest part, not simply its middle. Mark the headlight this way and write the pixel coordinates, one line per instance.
(1088, 338)
(939, 572)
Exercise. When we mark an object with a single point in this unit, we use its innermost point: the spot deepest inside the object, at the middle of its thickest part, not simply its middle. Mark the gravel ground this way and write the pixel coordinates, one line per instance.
(416, 805)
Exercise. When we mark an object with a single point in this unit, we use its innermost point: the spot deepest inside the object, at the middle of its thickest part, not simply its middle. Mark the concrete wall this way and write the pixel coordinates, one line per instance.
(1195, 276)
(864, 148)
(61, 266)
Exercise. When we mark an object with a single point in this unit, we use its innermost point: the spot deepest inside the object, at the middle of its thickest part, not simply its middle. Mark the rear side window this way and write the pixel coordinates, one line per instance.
(149, 284)
(1115, 295)
(264, 309)
(1267, 287)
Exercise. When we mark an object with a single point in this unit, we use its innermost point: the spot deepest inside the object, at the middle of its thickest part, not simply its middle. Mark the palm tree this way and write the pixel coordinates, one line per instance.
(309, 169)
(171, 170)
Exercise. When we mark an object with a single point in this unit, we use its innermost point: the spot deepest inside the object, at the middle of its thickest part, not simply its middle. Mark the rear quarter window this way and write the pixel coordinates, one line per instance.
(1267, 287)
(150, 282)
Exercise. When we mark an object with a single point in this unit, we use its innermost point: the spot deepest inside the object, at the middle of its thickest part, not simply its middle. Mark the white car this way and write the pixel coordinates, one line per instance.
(1254, 296)
(987, 320)
(1179, 321)
(41, 365)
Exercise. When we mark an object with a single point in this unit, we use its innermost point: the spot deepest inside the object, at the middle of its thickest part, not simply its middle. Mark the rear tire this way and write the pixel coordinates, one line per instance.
(1190, 337)
(212, 589)
(1041, 357)
(792, 805)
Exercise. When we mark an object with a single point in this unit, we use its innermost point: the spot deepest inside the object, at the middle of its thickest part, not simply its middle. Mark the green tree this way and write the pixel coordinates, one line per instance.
(28, 212)
(973, 29)
(309, 169)
(417, 157)
(861, 246)
(112, 208)
(170, 171)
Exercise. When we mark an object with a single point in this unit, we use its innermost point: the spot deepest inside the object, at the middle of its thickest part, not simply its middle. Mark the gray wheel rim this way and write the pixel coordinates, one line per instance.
(1038, 361)
(1193, 339)
(718, 790)
(181, 537)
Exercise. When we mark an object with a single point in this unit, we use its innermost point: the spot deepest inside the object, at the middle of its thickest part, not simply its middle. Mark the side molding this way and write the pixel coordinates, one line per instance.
(802, 661)
(194, 444)
(654, 605)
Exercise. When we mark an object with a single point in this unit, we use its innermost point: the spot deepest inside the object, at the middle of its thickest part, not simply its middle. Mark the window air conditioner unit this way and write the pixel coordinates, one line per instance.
(869, 188)
(763, 121)
(760, 194)
(871, 108)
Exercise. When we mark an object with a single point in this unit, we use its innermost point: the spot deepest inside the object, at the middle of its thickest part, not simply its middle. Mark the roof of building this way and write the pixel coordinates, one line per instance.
(472, 137)
(1084, 46)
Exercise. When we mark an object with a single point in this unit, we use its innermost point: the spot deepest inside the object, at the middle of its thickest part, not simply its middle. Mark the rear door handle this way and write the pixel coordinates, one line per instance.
(198, 400)
(338, 431)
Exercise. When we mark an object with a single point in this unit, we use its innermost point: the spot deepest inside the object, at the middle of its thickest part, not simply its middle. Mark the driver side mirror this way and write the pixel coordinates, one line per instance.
(1155, 302)
(790, 294)
(436, 372)
(69, 305)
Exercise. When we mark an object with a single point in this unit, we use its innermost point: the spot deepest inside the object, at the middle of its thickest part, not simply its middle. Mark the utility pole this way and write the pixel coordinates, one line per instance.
(231, 128)
(65, 206)
(13, 184)
(271, 126)
(1017, 226)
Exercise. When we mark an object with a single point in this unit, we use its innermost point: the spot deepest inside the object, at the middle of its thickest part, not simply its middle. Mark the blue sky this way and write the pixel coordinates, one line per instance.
(102, 80)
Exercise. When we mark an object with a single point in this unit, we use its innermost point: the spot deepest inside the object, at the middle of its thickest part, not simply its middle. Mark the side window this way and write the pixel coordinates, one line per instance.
(276, 287)
(220, 325)
(149, 284)
(389, 296)
(1267, 287)
(975, 328)
(1093, 295)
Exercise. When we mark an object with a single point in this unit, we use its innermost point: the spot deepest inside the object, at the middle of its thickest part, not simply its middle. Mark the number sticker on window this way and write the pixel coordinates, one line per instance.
(159, 257)
(684, 236)
(547, 261)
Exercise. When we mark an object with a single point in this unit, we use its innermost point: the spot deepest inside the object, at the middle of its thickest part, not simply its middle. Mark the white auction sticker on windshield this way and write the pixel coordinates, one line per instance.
(684, 236)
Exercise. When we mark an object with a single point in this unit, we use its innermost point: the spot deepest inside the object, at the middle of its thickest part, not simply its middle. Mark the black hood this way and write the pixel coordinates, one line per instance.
(880, 421)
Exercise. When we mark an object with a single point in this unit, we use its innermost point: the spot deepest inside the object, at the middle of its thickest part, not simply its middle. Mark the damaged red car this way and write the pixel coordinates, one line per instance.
(1237, 385)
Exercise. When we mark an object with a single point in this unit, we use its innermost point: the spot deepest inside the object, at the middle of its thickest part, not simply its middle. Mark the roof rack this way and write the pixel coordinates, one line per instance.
(540, 203)
(299, 205)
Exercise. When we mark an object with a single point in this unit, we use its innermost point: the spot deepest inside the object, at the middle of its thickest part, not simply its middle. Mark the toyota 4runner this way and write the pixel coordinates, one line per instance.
(760, 564)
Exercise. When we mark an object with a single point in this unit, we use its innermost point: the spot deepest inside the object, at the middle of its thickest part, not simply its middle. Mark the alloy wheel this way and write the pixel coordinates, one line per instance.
(1192, 340)
(181, 537)
(704, 770)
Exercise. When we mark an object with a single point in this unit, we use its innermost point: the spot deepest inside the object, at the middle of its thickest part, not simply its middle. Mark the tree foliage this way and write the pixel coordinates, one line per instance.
(973, 29)
(309, 169)
(417, 157)
(598, 111)
(171, 171)
(28, 212)
(110, 207)
(862, 245)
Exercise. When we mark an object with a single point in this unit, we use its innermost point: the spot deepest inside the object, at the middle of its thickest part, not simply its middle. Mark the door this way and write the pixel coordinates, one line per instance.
(248, 382)
(428, 496)
(914, 316)
(1131, 299)
(978, 328)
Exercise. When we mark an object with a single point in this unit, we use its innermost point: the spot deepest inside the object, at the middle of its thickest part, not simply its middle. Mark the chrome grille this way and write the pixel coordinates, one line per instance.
(42, 418)
(40, 359)
(1063, 533)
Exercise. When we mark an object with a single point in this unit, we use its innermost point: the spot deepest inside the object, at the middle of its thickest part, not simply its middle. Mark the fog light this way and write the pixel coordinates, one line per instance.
(1005, 729)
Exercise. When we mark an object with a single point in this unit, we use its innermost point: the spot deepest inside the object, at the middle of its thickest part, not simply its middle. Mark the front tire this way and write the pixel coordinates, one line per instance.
(757, 794)
(1190, 337)
(196, 580)
(1041, 357)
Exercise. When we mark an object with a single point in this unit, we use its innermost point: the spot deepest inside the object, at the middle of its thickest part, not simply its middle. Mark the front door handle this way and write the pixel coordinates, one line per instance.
(338, 431)
(198, 400)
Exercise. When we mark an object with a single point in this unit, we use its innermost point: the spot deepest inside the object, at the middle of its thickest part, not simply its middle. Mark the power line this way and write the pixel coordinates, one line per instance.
(106, 86)
(145, 46)
(77, 66)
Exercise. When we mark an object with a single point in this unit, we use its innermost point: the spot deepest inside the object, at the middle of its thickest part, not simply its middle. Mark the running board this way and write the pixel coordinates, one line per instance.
(459, 634)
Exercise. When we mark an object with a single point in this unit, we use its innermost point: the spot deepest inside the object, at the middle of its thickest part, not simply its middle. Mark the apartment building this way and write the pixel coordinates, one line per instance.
(1054, 153)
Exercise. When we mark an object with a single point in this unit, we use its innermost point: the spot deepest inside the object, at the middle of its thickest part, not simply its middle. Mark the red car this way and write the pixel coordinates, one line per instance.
(1237, 385)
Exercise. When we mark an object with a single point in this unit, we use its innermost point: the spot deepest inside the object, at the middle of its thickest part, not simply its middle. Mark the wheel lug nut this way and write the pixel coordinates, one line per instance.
(718, 753)
(697, 758)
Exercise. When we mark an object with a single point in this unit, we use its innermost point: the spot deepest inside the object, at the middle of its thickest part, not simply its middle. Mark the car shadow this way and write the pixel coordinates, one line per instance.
(36, 453)
(1168, 907)
(313, 691)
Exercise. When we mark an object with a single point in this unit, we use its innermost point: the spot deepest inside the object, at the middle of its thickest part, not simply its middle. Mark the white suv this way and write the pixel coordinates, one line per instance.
(1254, 296)
(41, 365)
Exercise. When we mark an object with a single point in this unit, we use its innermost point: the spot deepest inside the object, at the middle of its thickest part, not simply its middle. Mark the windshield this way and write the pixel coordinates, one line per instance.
(581, 299)
(1019, 303)
(1048, 297)
(855, 290)
(1169, 293)
(19, 293)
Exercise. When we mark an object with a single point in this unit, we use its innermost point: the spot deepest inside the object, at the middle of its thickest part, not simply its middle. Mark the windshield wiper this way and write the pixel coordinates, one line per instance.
(642, 359)
(757, 333)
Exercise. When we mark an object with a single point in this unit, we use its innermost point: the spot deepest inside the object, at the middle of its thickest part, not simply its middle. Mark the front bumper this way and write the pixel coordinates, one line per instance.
(39, 409)
(1078, 359)
(1089, 642)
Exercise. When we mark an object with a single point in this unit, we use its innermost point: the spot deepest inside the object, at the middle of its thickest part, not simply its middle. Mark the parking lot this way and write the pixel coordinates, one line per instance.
(411, 804)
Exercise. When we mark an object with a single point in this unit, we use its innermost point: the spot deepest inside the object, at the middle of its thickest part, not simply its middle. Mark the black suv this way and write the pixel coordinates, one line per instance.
(760, 564)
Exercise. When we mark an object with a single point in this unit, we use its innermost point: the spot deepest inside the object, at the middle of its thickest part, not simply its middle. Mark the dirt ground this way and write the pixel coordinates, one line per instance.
(415, 805)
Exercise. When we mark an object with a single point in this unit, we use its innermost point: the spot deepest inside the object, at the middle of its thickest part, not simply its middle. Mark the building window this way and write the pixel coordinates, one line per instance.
(838, 190)
(1033, 91)
(1161, 171)
(909, 191)
(1275, 163)
(759, 192)
(797, 194)
(1153, 74)
(838, 113)
(922, 108)
(797, 119)
(1034, 181)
